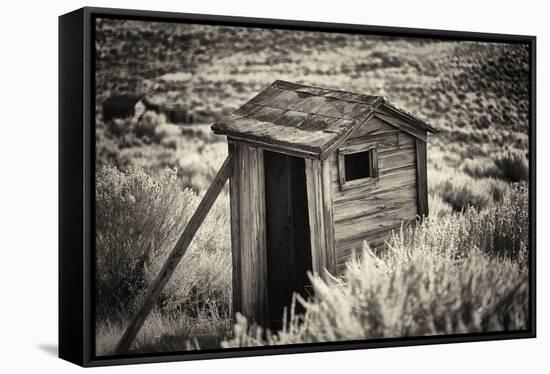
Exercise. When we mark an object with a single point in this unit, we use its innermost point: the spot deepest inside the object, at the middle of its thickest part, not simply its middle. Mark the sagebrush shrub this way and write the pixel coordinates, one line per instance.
(138, 220)
(460, 190)
(480, 169)
(438, 207)
(136, 217)
(513, 166)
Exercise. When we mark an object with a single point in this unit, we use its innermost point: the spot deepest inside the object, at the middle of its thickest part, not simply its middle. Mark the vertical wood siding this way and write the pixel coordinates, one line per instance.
(318, 183)
(248, 233)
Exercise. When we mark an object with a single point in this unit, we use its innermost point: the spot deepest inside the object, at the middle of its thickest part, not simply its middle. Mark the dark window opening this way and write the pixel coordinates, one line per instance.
(359, 165)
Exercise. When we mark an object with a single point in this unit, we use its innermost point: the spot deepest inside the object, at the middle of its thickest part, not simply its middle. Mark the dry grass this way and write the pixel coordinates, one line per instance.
(167, 332)
(513, 166)
(510, 166)
(459, 190)
(437, 207)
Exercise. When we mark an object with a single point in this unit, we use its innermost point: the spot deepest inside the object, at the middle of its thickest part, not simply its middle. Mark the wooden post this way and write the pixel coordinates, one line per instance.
(422, 178)
(248, 233)
(234, 209)
(320, 216)
(176, 255)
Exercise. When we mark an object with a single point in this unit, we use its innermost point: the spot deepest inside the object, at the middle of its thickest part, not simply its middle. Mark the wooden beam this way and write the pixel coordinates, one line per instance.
(402, 125)
(276, 147)
(422, 177)
(175, 256)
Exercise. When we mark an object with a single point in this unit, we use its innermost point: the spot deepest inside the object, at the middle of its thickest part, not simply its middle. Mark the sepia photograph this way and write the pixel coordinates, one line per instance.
(271, 186)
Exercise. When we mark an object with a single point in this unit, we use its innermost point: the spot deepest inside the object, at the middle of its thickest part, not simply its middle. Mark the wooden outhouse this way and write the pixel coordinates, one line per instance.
(315, 173)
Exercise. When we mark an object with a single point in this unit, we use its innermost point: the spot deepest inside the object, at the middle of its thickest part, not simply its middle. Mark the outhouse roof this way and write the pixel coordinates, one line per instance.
(304, 119)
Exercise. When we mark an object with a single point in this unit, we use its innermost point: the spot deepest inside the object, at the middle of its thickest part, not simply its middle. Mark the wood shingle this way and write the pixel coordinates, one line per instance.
(304, 120)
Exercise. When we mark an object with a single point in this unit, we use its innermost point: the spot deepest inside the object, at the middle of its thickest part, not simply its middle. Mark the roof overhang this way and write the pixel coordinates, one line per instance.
(310, 121)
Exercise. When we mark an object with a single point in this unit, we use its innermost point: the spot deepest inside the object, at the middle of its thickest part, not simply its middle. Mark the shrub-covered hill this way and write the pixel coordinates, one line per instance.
(477, 93)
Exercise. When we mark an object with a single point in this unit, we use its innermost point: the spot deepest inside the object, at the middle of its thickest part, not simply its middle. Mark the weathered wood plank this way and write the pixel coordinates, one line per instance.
(265, 96)
(395, 150)
(422, 177)
(328, 216)
(254, 296)
(375, 172)
(397, 169)
(370, 127)
(235, 214)
(406, 140)
(370, 203)
(341, 171)
(361, 226)
(321, 250)
(346, 250)
(356, 148)
(308, 103)
(267, 114)
(176, 255)
(392, 160)
(374, 238)
(375, 138)
(402, 124)
(276, 148)
(386, 182)
(316, 221)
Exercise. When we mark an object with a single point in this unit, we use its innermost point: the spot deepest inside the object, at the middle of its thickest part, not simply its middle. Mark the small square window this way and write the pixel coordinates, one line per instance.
(357, 166)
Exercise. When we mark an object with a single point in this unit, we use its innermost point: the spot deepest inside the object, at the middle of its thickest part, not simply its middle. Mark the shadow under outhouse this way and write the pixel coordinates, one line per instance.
(316, 172)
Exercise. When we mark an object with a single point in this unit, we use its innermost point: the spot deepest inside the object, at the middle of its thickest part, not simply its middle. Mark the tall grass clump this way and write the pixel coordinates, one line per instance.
(138, 220)
(513, 166)
(462, 273)
(477, 168)
(460, 190)
(438, 207)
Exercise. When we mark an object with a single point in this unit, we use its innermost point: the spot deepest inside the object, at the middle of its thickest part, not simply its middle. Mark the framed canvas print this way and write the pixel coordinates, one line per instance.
(237, 186)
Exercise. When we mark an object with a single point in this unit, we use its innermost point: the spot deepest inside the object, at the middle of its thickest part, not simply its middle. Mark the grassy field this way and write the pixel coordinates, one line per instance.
(150, 174)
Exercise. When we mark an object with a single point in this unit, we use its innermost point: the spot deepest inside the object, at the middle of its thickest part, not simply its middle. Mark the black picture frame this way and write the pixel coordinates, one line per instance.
(76, 184)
